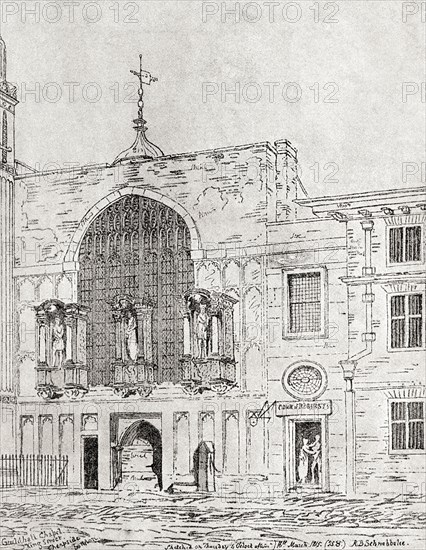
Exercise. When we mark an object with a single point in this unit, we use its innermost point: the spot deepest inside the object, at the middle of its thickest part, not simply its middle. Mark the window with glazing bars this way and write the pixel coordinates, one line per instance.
(304, 300)
(140, 248)
(407, 321)
(407, 425)
(405, 244)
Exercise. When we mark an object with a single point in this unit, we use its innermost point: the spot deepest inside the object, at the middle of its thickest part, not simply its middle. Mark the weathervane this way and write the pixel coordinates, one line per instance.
(144, 78)
(142, 148)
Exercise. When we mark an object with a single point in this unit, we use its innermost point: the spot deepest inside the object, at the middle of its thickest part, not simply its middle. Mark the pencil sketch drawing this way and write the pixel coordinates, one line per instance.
(215, 348)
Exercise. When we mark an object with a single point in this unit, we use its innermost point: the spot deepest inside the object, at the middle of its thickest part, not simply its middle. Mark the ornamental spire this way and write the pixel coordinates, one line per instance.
(3, 60)
(142, 148)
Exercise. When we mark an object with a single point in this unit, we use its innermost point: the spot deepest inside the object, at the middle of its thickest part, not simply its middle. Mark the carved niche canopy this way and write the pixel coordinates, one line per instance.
(61, 349)
(209, 361)
(133, 368)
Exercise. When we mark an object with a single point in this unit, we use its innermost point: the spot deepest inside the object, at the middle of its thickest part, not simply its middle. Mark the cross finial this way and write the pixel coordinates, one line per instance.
(144, 78)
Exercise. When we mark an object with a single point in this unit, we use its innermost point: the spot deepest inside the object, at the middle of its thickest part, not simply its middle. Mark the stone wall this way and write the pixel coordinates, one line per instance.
(226, 197)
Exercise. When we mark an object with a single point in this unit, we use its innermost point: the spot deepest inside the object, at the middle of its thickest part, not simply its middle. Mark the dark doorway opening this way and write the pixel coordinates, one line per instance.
(90, 462)
(308, 450)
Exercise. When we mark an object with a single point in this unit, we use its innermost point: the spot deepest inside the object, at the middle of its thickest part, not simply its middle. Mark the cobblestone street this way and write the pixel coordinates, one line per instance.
(47, 520)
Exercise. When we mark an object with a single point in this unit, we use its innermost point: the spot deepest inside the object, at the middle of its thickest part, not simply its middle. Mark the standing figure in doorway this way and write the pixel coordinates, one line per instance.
(58, 342)
(316, 458)
(303, 466)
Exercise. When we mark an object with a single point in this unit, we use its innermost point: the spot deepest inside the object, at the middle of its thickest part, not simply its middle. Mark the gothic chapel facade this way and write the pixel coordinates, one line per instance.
(197, 322)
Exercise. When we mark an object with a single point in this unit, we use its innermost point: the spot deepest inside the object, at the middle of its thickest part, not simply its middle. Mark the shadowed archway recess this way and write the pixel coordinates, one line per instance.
(143, 430)
(140, 248)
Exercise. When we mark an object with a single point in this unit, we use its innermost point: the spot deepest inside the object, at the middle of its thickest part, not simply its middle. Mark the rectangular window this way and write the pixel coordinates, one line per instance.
(405, 244)
(406, 321)
(304, 294)
(407, 426)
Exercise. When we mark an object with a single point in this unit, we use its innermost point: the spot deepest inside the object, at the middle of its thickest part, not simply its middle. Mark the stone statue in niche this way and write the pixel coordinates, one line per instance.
(208, 361)
(61, 354)
(58, 342)
(127, 330)
(202, 331)
(208, 324)
(131, 337)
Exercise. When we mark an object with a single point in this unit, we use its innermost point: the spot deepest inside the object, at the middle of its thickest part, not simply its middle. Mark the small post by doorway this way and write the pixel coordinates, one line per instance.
(90, 463)
(204, 467)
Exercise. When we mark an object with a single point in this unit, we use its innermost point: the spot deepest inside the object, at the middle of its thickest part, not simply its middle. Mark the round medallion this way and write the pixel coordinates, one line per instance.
(305, 380)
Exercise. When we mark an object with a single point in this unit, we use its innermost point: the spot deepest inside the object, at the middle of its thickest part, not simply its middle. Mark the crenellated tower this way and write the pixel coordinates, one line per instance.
(8, 102)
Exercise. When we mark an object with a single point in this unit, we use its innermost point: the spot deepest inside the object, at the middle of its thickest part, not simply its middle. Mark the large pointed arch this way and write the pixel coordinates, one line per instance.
(138, 247)
(74, 247)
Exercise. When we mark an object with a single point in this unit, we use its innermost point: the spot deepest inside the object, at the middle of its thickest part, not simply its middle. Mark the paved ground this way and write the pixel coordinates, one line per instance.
(43, 520)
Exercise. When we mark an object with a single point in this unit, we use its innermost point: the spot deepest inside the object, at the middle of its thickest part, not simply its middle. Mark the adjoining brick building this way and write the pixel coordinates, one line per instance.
(195, 320)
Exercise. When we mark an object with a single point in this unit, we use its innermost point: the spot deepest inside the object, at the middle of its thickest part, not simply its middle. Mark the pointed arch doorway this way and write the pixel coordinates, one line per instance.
(138, 457)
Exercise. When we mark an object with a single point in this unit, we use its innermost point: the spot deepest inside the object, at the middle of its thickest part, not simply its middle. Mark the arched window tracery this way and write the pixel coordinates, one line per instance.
(141, 248)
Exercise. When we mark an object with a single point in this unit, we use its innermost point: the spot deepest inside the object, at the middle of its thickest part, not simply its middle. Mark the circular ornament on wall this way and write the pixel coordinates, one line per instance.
(305, 380)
